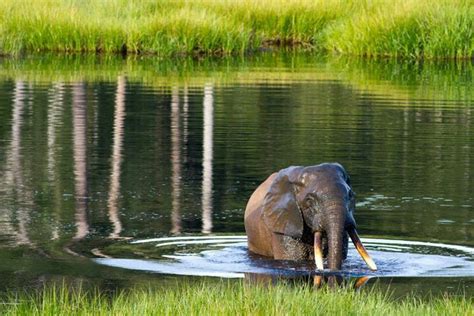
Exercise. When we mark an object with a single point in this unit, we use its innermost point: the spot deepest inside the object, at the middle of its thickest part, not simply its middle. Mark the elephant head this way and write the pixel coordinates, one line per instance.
(315, 203)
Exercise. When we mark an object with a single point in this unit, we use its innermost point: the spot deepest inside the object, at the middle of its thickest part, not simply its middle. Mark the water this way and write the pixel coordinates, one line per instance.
(96, 155)
(227, 257)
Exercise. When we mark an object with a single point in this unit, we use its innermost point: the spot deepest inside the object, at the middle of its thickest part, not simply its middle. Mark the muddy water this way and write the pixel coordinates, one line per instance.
(99, 158)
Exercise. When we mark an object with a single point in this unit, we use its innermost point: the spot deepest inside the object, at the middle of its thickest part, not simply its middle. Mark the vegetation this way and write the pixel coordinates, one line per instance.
(226, 298)
(395, 28)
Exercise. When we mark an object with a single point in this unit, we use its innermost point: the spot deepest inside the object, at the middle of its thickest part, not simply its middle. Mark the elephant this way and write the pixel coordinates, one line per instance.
(304, 213)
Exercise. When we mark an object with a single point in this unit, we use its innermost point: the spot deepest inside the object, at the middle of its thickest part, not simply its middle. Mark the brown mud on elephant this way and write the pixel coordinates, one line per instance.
(304, 213)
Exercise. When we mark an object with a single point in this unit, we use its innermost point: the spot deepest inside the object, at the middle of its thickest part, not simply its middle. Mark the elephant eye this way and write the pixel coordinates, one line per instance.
(312, 202)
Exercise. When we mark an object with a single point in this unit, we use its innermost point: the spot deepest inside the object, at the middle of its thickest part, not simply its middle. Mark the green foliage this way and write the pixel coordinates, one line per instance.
(229, 298)
(372, 28)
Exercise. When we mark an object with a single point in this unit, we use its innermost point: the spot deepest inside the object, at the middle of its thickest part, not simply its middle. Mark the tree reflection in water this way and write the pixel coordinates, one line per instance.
(116, 161)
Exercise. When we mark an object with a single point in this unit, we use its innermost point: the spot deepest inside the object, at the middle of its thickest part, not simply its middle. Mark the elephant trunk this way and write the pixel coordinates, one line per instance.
(335, 235)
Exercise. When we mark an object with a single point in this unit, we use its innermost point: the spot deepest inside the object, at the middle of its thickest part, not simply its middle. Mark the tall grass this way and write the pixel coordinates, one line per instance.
(173, 27)
(229, 299)
(407, 28)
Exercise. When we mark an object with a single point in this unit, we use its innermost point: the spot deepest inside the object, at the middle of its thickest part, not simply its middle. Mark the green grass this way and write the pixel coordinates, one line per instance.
(229, 298)
(396, 28)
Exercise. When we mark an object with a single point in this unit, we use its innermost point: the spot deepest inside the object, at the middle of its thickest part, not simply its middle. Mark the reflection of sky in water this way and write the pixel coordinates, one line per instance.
(227, 256)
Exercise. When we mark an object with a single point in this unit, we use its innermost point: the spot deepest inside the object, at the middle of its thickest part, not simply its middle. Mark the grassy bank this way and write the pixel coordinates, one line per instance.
(394, 28)
(229, 299)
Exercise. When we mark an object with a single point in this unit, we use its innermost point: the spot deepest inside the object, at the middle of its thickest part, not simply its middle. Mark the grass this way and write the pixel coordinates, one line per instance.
(229, 298)
(396, 28)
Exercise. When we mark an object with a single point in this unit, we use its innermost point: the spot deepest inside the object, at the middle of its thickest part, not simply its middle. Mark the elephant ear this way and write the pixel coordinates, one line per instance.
(280, 209)
(344, 173)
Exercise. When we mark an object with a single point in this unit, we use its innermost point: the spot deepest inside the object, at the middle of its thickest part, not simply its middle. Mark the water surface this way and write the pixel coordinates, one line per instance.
(228, 257)
(96, 154)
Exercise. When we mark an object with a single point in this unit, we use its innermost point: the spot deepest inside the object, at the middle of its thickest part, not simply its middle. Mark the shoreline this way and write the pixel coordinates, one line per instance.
(218, 54)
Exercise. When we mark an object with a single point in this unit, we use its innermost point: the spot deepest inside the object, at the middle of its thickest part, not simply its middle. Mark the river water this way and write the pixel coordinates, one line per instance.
(120, 171)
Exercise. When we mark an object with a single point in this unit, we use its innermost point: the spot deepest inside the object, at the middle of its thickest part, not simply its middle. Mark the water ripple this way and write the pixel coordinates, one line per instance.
(227, 256)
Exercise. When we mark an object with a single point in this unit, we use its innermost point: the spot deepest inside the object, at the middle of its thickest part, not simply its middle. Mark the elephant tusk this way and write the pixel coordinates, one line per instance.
(317, 281)
(318, 253)
(361, 282)
(361, 249)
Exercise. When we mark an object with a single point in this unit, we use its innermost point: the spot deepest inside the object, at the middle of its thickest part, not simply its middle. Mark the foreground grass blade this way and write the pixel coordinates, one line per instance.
(228, 298)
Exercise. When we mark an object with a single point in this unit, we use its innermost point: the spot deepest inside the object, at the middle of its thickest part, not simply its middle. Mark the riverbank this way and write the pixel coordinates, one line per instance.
(393, 28)
(226, 298)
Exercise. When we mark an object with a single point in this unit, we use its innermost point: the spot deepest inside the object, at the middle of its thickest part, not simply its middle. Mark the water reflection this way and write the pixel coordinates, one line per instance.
(175, 162)
(55, 122)
(208, 127)
(253, 133)
(185, 122)
(146, 158)
(79, 122)
(22, 196)
(116, 161)
(179, 128)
